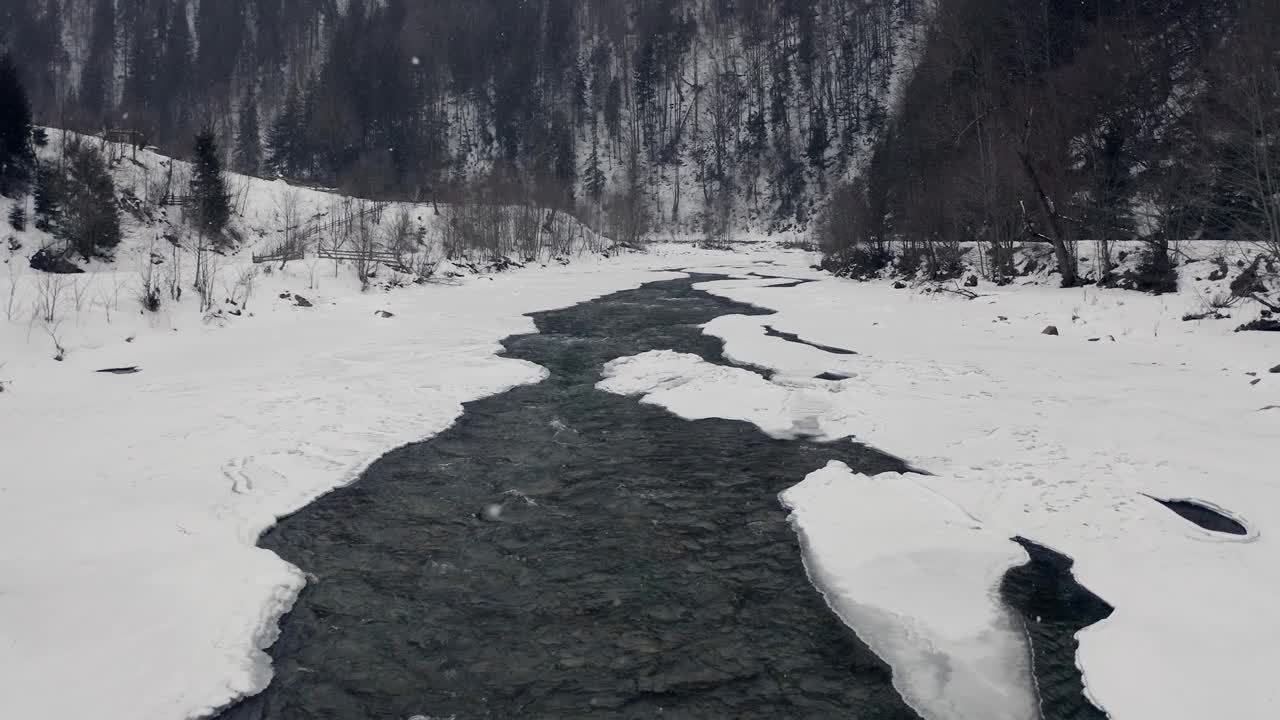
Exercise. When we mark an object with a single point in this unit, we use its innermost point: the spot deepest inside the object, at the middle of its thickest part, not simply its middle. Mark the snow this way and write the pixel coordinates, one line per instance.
(1057, 439)
(974, 663)
(130, 504)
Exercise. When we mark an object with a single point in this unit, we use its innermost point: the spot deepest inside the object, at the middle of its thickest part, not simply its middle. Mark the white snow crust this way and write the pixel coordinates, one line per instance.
(130, 587)
(1057, 439)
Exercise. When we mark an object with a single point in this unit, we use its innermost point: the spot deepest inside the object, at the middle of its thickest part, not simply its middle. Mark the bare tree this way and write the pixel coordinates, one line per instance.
(400, 236)
(149, 290)
(13, 291)
(242, 290)
(291, 219)
(1246, 118)
(365, 246)
(207, 266)
(80, 291)
(50, 288)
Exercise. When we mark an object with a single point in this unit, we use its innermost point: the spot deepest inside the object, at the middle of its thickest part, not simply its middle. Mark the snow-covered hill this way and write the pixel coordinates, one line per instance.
(64, 313)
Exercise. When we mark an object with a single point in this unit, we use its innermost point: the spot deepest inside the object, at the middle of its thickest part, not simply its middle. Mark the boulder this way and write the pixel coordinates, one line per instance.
(48, 261)
(1051, 330)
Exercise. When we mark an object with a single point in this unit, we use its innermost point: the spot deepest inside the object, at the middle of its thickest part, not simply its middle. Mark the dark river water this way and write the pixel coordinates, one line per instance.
(1053, 608)
(563, 552)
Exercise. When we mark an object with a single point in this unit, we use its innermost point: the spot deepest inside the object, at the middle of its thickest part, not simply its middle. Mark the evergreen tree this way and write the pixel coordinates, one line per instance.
(90, 221)
(284, 140)
(248, 138)
(48, 198)
(209, 187)
(819, 140)
(564, 163)
(143, 60)
(593, 178)
(613, 109)
(99, 68)
(16, 156)
(173, 78)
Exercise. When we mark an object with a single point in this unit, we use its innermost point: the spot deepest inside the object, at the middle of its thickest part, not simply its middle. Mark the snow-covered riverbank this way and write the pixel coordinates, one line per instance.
(1060, 439)
(130, 504)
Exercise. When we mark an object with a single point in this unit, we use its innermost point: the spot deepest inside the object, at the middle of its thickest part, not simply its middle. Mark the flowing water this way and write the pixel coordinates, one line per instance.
(1054, 607)
(564, 552)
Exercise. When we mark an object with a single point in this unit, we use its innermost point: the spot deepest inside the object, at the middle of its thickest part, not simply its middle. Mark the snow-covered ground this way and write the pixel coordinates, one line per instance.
(130, 587)
(1060, 439)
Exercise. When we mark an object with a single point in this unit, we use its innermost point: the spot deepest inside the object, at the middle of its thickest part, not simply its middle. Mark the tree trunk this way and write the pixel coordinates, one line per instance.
(1059, 242)
(1104, 259)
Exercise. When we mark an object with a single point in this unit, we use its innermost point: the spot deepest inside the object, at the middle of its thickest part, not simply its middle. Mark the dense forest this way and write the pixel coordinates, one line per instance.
(676, 114)
(1059, 121)
(891, 123)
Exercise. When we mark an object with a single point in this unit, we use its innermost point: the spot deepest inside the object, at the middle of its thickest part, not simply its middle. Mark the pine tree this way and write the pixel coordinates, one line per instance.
(90, 222)
(99, 69)
(16, 156)
(819, 140)
(613, 109)
(564, 163)
(209, 187)
(593, 179)
(48, 198)
(173, 78)
(284, 139)
(248, 138)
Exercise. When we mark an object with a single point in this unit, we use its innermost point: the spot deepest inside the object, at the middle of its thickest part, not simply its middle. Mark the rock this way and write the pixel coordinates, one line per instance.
(1248, 281)
(120, 370)
(1260, 326)
(899, 285)
(1095, 339)
(286, 295)
(384, 314)
(1275, 370)
(301, 301)
(833, 377)
(1051, 330)
(45, 260)
(1255, 382)
(971, 281)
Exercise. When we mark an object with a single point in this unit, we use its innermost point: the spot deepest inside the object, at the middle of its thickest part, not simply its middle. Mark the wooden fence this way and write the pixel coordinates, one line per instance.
(382, 256)
(279, 256)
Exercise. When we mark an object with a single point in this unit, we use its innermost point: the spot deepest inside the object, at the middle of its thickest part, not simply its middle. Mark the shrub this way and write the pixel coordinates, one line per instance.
(1154, 272)
(860, 261)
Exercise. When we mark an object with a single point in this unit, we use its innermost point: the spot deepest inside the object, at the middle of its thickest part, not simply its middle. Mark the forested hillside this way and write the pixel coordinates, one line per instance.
(695, 115)
(1062, 121)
